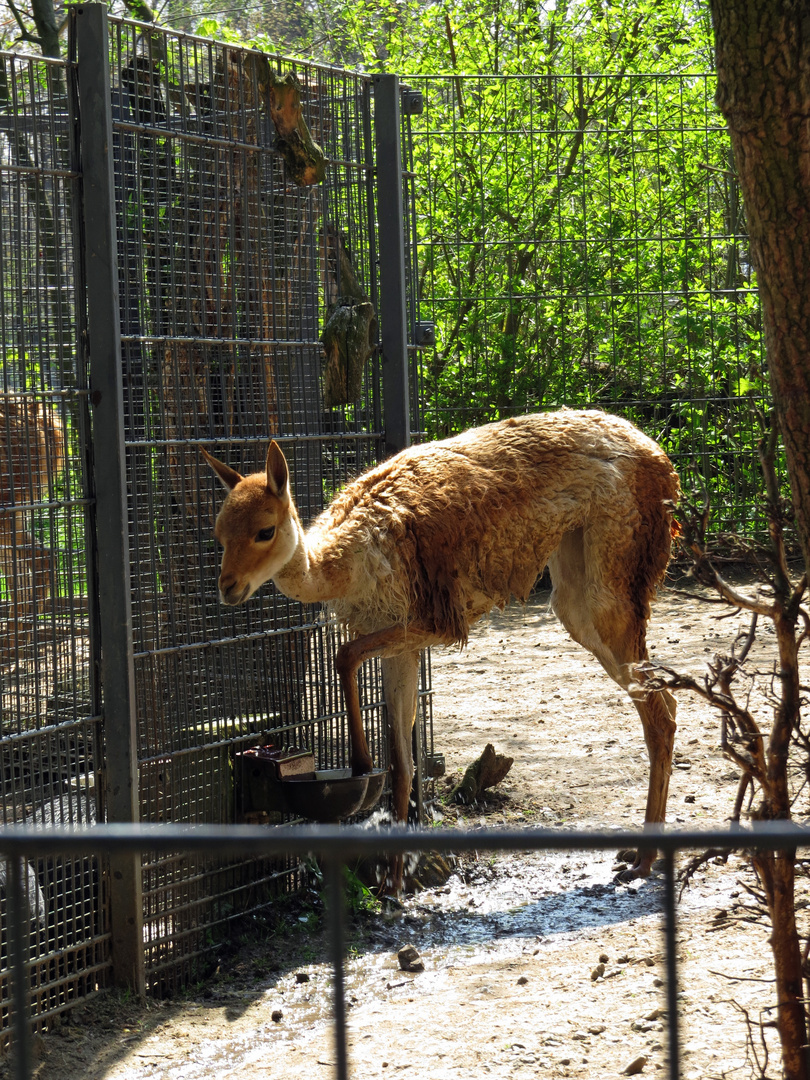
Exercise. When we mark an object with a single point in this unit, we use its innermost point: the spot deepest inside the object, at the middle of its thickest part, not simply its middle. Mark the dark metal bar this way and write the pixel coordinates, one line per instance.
(418, 760)
(670, 927)
(19, 928)
(344, 841)
(113, 570)
(391, 227)
(333, 872)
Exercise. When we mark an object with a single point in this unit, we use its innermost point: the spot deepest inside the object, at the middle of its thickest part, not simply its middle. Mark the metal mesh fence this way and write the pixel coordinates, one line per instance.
(582, 242)
(577, 240)
(50, 737)
(228, 270)
(226, 265)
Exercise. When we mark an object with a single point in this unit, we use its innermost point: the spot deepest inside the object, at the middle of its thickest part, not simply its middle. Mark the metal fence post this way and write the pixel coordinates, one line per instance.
(393, 309)
(103, 339)
(391, 229)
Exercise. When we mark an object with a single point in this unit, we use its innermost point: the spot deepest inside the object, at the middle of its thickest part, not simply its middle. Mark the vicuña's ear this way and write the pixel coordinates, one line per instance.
(278, 475)
(229, 477)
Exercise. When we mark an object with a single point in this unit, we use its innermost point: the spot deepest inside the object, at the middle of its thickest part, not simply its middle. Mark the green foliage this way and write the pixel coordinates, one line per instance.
(580, 234)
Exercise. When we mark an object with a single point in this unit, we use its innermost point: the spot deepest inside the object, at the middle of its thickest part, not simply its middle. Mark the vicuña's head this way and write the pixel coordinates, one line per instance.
(257, 526)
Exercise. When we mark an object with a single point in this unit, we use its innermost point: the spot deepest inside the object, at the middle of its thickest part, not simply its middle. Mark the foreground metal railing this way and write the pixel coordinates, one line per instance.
(335, 845)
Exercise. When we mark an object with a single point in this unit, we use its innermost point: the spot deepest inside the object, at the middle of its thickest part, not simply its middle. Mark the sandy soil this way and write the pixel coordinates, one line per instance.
(510, 944)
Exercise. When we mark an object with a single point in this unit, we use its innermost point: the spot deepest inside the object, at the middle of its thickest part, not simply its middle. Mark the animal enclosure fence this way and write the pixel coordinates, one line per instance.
(171, 277)
(182, 222)
(582, 242)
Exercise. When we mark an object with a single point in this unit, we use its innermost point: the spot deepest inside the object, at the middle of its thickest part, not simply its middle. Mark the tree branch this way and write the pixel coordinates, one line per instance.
(25, 33)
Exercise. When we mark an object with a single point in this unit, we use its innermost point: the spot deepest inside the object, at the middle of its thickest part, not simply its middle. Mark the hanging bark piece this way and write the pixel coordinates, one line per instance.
(348, 342)
(485, 772)
(304, 158)
(350, 332)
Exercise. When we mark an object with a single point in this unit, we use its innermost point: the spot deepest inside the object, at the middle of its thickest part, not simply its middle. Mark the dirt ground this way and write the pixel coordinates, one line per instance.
(510, 987)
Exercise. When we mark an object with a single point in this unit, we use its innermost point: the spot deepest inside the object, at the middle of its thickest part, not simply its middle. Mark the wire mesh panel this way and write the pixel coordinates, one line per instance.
(50, 736)
(582, 243)
(234, 260)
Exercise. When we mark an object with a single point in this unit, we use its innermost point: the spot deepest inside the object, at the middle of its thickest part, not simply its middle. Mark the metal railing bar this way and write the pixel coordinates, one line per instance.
(280, 59)
(18, 947)
(49, 729)
(37, 170)
(247, 440)
(354, 840)
(45, 394)
(220, 643)
(337, 843)
(186, 339)
(335, 898)
(51, 986)
(670, 938)
(59, 504)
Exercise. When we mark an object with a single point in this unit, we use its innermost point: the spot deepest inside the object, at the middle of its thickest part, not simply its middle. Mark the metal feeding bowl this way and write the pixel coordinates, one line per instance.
(332, 794)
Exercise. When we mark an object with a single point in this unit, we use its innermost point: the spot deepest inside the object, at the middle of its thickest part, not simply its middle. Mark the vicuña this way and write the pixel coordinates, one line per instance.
(415, 550)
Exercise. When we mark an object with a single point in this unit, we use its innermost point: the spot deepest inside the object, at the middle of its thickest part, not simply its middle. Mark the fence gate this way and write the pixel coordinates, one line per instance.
(176, 264)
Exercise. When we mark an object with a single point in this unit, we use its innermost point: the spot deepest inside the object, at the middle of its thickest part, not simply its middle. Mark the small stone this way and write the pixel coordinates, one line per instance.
(603, 958)
(655, 1014)
(597, 1029)
(276, 1015)
(301, 977)
(565, 1061)
(658, 982)
(409, 959)
(648, 960)
(635, 1066)
(579, 1036)
(522, 980)
(689, 798)
(623, 959)
(597, 972)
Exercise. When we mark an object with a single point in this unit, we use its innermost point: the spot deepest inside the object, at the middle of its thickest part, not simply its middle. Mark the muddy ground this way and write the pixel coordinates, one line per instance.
(510, 944)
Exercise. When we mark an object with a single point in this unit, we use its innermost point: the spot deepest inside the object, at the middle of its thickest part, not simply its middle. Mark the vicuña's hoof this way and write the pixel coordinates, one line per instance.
(632, 873)
(640, 869)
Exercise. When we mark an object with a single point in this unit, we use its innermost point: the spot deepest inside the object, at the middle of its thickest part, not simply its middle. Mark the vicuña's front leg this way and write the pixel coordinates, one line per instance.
(391, 641)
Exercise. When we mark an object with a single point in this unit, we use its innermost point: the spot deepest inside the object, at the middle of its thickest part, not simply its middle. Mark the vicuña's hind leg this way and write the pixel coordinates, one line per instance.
(598, 613)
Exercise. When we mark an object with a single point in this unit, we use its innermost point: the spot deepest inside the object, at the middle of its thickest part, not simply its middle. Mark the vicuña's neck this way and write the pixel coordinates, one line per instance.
(309, 577)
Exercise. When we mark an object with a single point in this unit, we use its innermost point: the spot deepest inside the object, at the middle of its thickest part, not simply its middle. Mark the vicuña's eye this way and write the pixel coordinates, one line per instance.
(263, 535)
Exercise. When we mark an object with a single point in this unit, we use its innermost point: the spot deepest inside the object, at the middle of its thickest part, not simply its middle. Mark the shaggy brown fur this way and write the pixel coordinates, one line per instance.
(415, 550)
(32, 451)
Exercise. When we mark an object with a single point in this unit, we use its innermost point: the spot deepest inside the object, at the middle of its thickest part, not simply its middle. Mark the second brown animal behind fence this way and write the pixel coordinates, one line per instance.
(415, 550)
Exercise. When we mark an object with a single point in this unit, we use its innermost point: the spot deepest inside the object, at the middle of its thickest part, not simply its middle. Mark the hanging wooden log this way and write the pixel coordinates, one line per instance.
(348, 341)
(350, 332)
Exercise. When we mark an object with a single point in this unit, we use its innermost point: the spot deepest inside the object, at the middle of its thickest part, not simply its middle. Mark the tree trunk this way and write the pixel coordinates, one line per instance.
(763, 69)
(776, 872)
(763, 90)
(47, 30)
